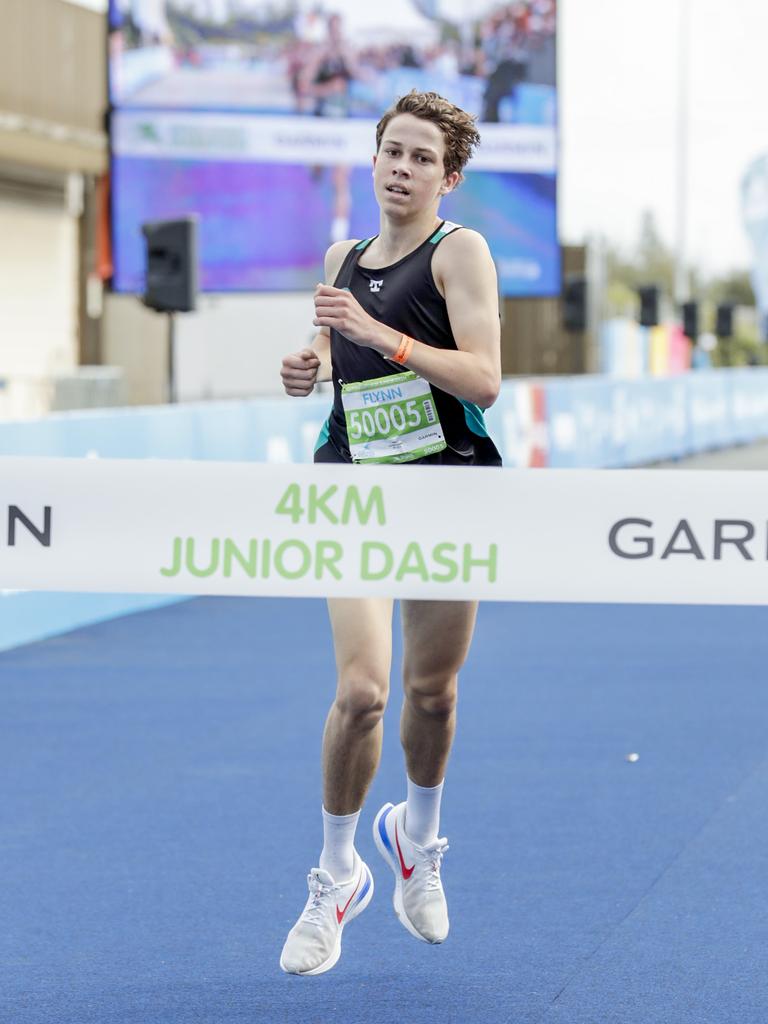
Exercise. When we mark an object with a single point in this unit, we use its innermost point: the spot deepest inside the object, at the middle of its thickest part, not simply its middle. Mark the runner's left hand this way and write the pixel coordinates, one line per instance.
(339, 309)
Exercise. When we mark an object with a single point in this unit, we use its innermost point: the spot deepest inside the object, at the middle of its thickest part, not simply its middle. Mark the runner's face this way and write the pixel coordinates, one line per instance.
(408, 171)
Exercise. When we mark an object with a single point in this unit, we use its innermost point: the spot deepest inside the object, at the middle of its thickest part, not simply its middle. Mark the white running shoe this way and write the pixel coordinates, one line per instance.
(314, 943)
(419, 899)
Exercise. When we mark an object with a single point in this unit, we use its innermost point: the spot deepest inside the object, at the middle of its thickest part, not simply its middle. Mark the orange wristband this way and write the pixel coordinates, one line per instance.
(403, 353)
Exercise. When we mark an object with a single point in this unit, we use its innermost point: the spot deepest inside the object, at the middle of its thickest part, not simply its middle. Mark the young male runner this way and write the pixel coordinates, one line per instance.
(420, 297)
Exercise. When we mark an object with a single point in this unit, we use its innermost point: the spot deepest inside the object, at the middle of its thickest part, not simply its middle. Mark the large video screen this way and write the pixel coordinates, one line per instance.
(260, 118)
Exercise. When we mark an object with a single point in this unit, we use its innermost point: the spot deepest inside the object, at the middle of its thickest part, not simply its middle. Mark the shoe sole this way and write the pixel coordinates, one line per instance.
(332, 960)
(397, 898)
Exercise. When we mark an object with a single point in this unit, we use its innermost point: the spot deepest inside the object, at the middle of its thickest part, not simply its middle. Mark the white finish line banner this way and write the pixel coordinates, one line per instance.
(425, 532)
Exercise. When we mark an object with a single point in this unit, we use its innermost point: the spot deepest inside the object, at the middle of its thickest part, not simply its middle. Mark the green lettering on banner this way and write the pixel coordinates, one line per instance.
(354, 506)
(451, 566)
(290, 504)
(328, 554)
(175, 566)
(413, 563)
(212, 566)
(489, 563)
(317, 503)
(249, 565)
(280, 553)
(368, 548)
(295, 559)
(266, 559)
(353, 501)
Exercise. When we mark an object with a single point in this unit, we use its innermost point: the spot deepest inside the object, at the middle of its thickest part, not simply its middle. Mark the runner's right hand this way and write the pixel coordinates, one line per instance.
(299, 372)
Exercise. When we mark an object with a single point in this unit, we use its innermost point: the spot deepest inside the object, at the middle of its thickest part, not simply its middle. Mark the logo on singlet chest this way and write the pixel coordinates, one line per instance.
(375, 286)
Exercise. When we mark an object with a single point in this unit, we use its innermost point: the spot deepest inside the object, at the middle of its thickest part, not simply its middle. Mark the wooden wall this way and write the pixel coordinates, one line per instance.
(53, 91)
(533, 341)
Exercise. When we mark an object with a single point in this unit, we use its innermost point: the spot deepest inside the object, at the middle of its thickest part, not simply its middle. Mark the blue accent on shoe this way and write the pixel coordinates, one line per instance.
(383, 831)
(365, 888)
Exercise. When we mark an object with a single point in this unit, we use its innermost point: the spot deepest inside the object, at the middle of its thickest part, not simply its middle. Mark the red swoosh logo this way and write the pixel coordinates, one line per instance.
(340, 913)
(407, 872)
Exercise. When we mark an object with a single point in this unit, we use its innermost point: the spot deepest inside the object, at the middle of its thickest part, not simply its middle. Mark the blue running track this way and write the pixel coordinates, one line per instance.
(161, 809)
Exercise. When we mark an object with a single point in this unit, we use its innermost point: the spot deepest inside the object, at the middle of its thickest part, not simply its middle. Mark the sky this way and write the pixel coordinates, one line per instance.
(619, 64)
(619, 72)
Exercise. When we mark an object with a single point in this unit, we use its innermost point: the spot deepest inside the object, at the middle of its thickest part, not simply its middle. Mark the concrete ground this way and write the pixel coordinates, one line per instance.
(752, 456)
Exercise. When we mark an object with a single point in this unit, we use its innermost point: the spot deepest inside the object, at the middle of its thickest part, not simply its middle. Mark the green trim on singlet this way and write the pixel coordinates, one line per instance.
(324, 435)
(473, 416)
(445, 229)
(361, 245)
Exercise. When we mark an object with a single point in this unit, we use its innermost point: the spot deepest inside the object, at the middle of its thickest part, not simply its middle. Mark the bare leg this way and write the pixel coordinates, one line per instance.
(342, 200)
(362, 637)
(437, 636)
(342, 195)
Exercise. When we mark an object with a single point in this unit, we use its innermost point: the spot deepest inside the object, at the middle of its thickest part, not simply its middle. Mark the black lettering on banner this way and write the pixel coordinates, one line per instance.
(16, 515)
(740, 542)
(693, 545)
(613, 536)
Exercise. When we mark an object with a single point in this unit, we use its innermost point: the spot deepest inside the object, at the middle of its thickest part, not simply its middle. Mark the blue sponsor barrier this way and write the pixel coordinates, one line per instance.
(600, 422)
(554, 421)
(262, 430)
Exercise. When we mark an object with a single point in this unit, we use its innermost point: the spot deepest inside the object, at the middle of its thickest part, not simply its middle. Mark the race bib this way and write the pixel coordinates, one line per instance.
(391, 419)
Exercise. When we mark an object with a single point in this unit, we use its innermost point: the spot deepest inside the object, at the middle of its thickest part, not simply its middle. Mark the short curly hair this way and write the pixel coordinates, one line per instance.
(458, 127)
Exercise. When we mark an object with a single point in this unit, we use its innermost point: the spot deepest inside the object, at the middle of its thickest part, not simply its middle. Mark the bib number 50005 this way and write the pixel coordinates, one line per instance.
(364, 422)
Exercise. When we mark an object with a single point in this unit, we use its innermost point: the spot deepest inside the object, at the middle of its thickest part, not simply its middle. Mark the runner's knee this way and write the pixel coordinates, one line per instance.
(361, 699)
(434, 695)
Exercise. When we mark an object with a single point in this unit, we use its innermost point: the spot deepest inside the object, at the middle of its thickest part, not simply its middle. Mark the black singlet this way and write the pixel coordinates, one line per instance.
(402, 296)
(333, 65)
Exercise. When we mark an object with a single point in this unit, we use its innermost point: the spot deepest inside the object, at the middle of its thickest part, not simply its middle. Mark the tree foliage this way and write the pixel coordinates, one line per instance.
(651, 261)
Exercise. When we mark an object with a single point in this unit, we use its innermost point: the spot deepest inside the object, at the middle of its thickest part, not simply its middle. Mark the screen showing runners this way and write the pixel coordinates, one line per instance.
(261, 119)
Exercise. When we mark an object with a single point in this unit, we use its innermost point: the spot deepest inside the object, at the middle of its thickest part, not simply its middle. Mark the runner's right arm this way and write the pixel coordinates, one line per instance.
(300, 371)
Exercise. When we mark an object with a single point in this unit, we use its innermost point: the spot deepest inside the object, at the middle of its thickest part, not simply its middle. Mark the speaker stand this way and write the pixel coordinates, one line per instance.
(171, 367)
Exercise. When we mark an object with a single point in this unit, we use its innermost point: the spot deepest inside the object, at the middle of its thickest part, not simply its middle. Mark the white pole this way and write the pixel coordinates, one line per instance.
(682, 283)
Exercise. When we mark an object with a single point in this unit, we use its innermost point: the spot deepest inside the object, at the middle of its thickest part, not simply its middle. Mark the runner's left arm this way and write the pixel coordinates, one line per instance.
(464, 268)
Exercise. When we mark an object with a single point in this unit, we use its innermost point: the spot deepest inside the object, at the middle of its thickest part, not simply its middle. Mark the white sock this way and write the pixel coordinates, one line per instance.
(422, 812)
(337, 857)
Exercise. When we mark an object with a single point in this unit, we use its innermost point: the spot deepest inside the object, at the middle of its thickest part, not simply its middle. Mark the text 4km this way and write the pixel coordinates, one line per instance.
(331, 506)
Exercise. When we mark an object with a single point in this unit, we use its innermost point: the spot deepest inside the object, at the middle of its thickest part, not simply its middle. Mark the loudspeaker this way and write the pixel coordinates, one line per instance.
(575, 303)
(724, 320)
(171, 263)
(649, 305)
(691, 320)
